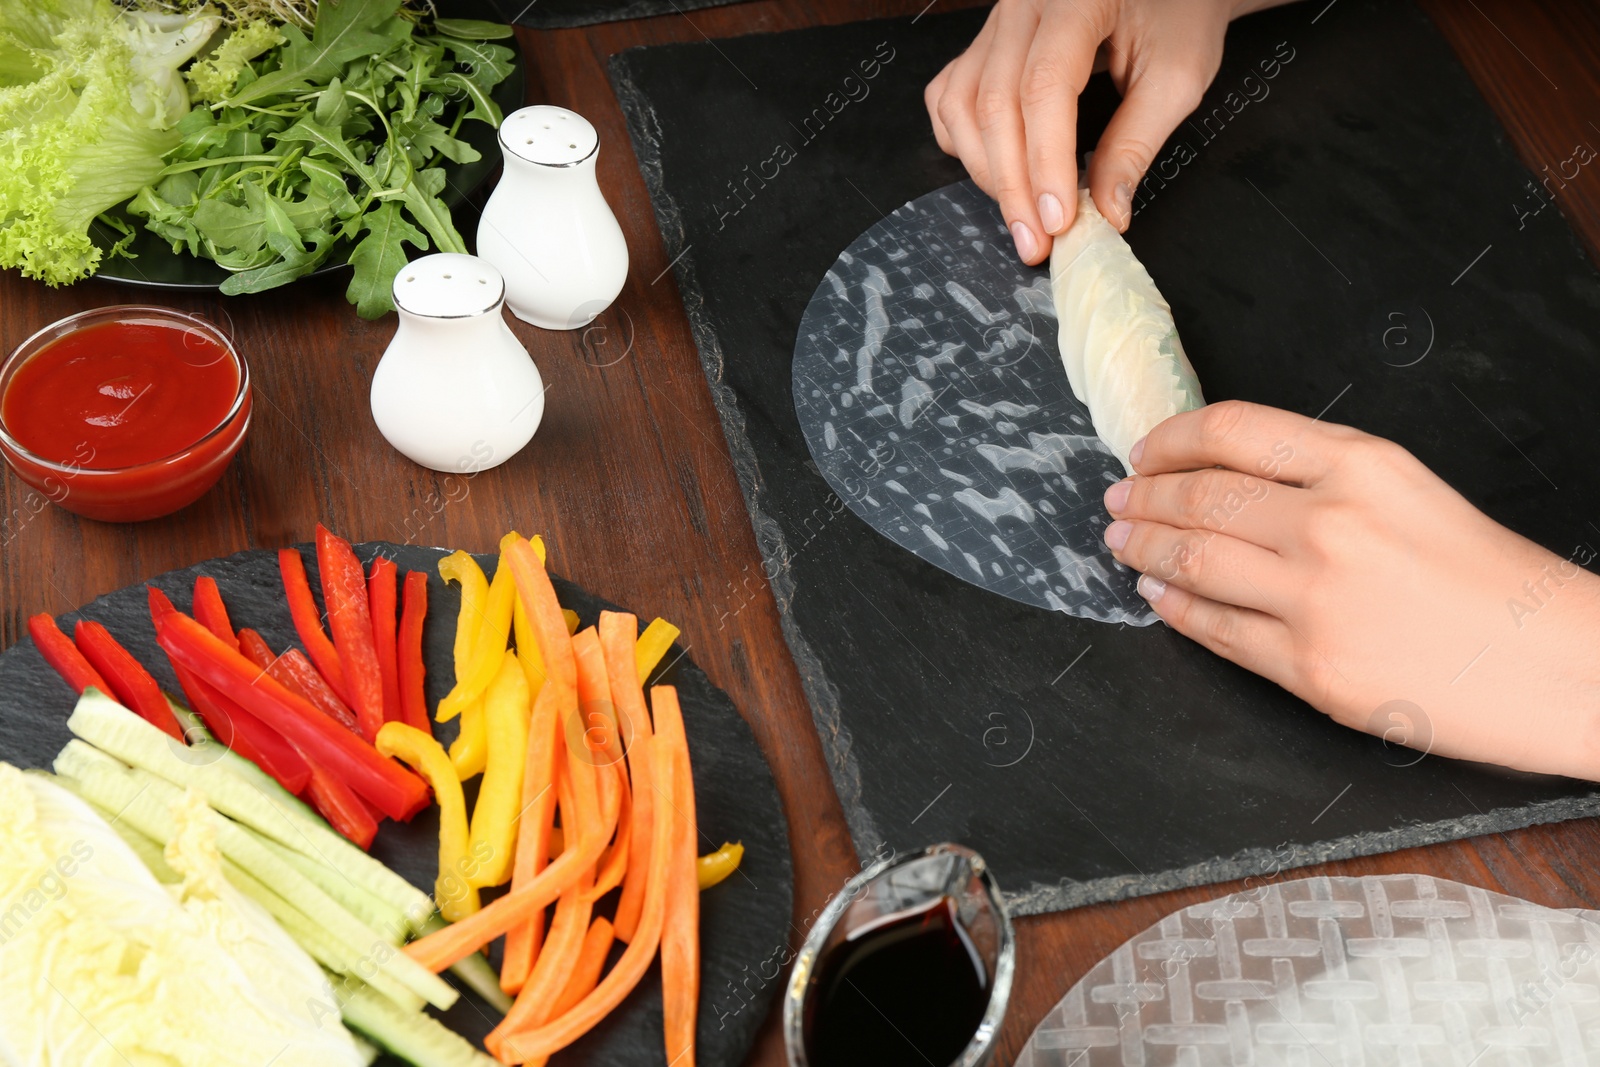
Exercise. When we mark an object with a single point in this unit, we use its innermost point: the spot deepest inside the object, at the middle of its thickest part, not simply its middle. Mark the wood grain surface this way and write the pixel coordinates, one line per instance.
(629, 478)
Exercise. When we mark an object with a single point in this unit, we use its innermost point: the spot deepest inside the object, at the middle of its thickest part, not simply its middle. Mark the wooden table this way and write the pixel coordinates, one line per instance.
(629, 478)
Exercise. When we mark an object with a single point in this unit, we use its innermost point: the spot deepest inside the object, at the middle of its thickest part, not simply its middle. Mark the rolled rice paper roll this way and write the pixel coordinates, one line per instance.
(1118, 342)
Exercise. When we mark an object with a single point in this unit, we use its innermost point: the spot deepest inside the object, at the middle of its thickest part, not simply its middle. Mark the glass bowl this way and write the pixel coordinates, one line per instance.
(146, 490)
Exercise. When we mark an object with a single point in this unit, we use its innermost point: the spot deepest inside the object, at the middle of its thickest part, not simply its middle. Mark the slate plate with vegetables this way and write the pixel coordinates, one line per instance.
(743, 921)
(242, 144)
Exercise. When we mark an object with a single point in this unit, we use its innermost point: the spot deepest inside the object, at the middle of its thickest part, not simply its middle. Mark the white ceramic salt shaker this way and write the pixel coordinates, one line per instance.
(455, 390)
(547, 228)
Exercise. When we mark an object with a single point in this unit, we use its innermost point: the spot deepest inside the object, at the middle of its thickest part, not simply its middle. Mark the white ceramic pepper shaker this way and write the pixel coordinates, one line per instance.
(547, 228)
(455, 390)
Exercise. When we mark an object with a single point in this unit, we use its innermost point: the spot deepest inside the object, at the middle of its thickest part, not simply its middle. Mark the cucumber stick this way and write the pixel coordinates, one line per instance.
(378, 914)
(318, 943)
(475, 971)
(238, 788)
(416, 1037)
(146, 800)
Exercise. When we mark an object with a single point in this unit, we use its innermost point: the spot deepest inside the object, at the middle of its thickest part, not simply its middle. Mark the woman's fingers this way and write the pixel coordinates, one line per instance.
(999, 113)
(1248, 438)
(1058, 66)
(1254, 640)
(930, 100)
(1246, 506)
(956, 107)
(1156, 101)
(1213, 565)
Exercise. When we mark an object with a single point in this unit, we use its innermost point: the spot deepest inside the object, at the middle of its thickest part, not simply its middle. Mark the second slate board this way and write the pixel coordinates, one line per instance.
(1312, 226)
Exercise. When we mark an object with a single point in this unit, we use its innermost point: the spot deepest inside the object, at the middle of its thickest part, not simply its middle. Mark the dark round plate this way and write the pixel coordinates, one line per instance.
(156, 265)
(744, 921)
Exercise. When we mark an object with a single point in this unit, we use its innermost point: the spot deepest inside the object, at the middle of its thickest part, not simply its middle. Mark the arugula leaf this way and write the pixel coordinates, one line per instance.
(483, 106)
(344, 31)
(487, 65)
(230, 227)
(331, 145)
(379, 257)
(290, 265)
(473, 29)
(329, 142)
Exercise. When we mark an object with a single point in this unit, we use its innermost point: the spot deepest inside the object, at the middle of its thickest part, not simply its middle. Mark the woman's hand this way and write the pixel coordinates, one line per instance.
(1008, 105)
(1337, 565)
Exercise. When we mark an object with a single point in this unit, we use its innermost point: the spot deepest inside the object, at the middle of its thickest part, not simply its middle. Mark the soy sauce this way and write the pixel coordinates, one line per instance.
(910, 990)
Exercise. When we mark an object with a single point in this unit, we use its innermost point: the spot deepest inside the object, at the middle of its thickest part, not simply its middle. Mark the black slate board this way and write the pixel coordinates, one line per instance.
(564, 14)
(1365, 187)
(744, 920)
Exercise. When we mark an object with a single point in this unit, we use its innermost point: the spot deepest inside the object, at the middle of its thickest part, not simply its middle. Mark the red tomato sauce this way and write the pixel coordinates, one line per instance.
(119, 394)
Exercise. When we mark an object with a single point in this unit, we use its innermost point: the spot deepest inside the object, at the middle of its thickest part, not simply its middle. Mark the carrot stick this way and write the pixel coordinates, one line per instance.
(541, 777)
(680, 937)
(615, 863)
(555, 707)
(622, 978)
(597, 713)
(455, 942)
(619, 634)
(534, 1004)
(586, 972)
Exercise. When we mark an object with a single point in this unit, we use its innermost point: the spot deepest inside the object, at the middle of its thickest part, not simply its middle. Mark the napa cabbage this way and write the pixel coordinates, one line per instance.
(101, 965)
(89, 93)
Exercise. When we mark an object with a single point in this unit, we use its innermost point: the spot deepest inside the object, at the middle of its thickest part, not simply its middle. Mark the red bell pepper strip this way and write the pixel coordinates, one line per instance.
(411, 670)
(382, 601)
(59, 651)
(345, 811)
(297, 675)
(309, 683)
(344, 591)
(210, 611)
(231, 725)
(131, 684)
(255, 648)
(308, 622)
(391, 788)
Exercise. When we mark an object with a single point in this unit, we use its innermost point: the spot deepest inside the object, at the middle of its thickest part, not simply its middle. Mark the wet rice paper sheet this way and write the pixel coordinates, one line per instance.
(1341, 230)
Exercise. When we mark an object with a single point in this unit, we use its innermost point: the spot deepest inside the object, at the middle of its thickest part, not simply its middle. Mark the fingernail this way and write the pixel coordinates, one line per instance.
(1152, 589)
(1026, 246)
(1123, 198)
(1136, 453)
(1117, 534)
(1117, 496)
(1050, 213)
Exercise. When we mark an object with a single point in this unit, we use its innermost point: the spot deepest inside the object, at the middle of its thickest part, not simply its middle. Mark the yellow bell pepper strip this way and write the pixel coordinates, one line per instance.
(489, 647)
(495, 818)
(572, 620)
(469, 752)
(461, 568)
(455, 895)
(653, 644)
(713, 867)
